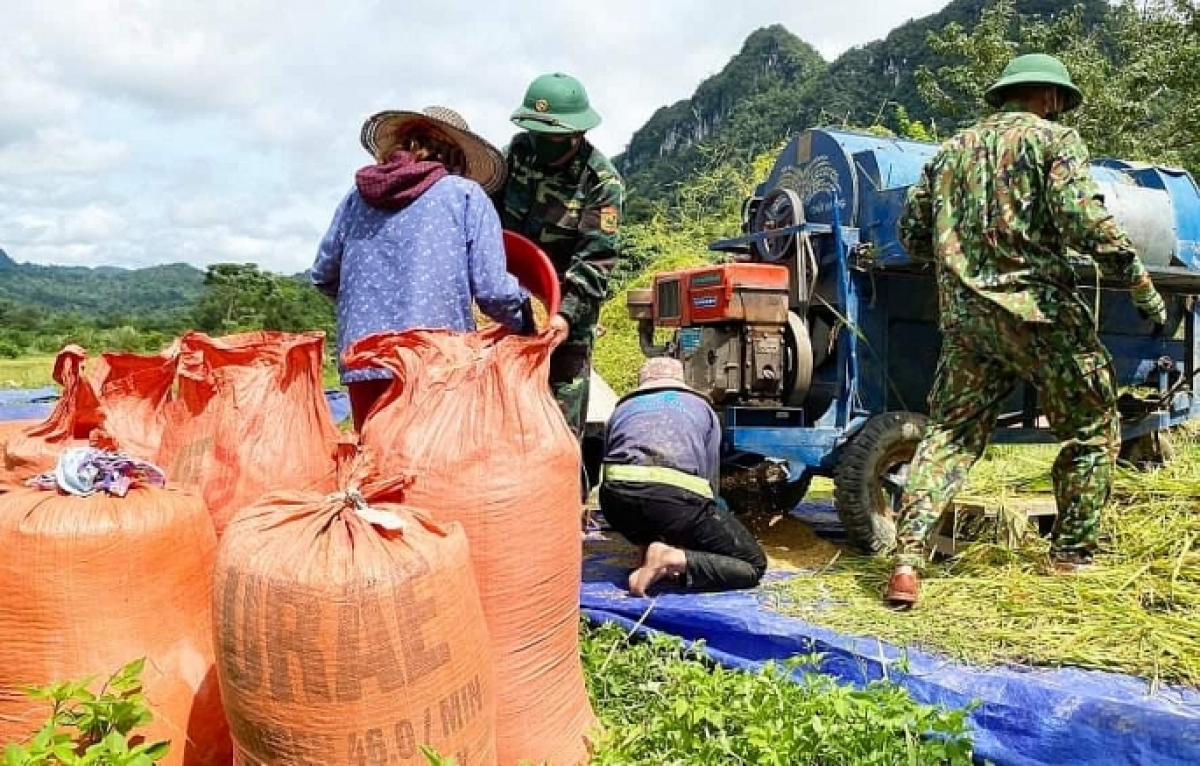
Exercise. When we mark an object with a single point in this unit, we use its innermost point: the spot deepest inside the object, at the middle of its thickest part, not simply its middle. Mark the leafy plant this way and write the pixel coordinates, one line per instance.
(662, 702)
(435, 759)
(91, 729)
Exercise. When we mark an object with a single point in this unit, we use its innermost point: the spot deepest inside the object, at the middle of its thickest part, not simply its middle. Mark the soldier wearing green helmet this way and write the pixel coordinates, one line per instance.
(1036, 72)
(565, 195)
(996, 211)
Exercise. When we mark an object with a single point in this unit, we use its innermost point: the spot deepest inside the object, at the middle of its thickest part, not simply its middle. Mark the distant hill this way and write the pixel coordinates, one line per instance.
(778, 85)
(748, 106)
(98, 292)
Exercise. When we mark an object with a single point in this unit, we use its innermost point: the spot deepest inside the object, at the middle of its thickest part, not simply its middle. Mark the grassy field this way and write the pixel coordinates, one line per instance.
(35, 372)
(26, 372)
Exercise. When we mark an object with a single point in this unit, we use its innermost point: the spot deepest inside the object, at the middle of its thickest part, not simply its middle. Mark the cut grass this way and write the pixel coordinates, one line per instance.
(662, 702)
(1136, 612)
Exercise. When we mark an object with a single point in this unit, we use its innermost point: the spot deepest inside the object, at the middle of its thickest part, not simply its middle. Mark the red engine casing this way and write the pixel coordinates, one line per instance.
(731, 292)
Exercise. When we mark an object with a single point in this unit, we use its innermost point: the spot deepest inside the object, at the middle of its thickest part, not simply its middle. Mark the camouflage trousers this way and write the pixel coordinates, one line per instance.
(982, 359)
(570, 376)
(570, 382)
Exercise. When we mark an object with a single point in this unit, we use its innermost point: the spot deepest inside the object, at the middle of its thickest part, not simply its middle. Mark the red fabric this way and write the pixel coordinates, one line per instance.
(399, 182)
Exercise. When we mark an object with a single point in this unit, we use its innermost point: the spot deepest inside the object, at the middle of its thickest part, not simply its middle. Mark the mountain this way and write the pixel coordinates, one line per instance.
(100, 292)
(755, 98)
(778, 85)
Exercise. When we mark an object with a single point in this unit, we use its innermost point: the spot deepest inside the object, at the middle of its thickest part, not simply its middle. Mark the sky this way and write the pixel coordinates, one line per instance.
(139, 132)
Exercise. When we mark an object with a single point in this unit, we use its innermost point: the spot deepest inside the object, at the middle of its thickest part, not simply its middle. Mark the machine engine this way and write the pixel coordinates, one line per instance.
(732, 329)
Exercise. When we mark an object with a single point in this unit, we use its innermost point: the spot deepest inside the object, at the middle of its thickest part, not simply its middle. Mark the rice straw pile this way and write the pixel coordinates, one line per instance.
(1136, 612)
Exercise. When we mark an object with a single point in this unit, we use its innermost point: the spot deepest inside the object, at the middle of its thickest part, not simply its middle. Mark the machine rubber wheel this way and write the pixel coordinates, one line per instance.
(593, 458)
(870, 477)
(1149, 451)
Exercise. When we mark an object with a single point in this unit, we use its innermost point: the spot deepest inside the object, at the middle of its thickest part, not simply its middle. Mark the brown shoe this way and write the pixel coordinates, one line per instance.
(903, 587)
(661, 561)
(1067, 564)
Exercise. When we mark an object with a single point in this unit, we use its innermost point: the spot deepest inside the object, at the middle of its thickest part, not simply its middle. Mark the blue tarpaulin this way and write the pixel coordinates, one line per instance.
(1025, 716)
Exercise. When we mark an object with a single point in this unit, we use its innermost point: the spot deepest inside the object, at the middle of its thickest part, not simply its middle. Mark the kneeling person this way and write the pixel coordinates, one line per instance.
(661, 469)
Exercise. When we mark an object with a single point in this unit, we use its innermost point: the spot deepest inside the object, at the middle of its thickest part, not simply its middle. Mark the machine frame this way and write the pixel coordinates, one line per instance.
(862, 419)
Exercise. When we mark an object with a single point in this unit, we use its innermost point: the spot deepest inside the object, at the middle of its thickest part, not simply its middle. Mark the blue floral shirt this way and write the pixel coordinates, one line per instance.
(419, 267)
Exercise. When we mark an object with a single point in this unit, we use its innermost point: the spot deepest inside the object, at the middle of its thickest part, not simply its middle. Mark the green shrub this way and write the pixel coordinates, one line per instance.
(662, 703)
(10, 350)
(91, 729)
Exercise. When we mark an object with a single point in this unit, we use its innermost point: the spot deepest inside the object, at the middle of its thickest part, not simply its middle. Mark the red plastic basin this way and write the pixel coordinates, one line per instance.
(533, 269)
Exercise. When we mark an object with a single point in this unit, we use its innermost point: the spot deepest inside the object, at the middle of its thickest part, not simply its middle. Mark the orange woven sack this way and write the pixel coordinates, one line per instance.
(10, 428)
(472, 420)
(123, 394)
(249, 417)
(349, 630)
(88, 584)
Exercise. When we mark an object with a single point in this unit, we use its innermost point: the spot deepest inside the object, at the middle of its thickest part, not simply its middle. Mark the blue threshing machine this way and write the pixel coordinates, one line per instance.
(819, 343)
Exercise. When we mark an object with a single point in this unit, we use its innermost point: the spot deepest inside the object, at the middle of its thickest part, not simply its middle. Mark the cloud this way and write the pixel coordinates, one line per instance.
(60, 152)
(136, 132)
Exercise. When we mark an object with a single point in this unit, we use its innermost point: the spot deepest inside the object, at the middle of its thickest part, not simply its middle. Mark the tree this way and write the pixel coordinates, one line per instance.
(298, 307)
(236, 298)
(1139, 70)
(239, 297)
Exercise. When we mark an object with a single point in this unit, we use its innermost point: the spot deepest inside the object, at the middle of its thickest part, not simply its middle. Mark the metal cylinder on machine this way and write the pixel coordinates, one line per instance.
(1147, 215)
(1184, 196)
(869, 177)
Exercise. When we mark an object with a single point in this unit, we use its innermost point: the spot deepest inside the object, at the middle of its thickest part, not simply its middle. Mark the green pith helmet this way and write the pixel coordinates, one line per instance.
(1035, 69)
(556, 103)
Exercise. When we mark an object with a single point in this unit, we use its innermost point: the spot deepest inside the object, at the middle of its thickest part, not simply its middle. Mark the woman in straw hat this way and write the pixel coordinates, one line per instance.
(417, 240)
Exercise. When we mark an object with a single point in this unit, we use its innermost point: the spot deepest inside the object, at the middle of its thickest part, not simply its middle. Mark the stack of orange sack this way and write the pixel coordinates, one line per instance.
(352, 602)
(89, 583)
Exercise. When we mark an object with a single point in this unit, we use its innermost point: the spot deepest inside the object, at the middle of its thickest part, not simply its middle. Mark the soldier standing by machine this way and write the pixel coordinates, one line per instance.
(996, 210)
(566, 196)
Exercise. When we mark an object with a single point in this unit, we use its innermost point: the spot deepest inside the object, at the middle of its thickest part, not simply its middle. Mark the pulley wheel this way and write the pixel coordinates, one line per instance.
(798, 367)
(780, 209)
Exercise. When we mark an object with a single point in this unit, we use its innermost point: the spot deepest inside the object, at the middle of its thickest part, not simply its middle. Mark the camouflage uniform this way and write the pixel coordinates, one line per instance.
(996, 209)
(574, 213)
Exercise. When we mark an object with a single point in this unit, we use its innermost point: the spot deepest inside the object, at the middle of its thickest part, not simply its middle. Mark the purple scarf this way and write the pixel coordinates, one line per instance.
(397, 183)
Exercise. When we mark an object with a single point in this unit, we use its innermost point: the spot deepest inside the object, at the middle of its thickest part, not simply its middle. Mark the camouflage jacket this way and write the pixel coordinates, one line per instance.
(574, 213)
(998, 207)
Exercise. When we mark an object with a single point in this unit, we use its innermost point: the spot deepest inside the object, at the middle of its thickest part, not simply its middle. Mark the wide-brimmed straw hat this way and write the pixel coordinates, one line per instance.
(485, 163)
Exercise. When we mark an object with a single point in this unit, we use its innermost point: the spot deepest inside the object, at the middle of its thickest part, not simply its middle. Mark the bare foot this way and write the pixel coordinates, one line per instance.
(661, 561)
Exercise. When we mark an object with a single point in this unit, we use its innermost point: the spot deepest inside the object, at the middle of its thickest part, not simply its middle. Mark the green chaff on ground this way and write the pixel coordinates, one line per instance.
(1136, 612)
